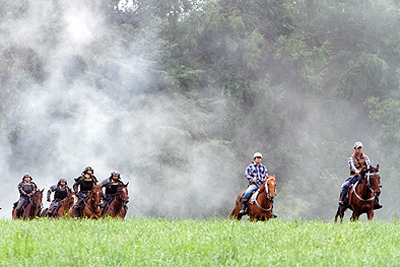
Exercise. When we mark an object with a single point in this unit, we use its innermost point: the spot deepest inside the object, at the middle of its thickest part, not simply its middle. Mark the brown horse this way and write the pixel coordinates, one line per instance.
(33, 208)
(261, 209)
(92, 204)
(117, 207)
(63, 209)
(92, 207)
(362, 194)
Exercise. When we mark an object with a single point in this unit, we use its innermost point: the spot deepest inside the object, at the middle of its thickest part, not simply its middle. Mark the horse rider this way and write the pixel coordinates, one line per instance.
(61, 191)
(357, 161)
(256, 174)
(111, 184)
(26, 189)
(85, 183)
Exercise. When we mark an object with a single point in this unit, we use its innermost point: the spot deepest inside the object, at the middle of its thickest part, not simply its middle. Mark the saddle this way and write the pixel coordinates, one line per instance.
(253, 196)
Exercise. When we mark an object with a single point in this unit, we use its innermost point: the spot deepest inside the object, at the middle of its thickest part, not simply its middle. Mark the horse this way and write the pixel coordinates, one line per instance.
(362, 194)
(92, 204)
(117, 207)
(261, 208)
(62, 209)
(33, 208)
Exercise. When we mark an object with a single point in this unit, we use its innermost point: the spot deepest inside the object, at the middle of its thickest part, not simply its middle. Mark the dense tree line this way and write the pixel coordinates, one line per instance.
(300, 81)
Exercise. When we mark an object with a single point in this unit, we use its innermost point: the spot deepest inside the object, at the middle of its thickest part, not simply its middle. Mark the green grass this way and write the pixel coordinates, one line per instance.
(159, 242)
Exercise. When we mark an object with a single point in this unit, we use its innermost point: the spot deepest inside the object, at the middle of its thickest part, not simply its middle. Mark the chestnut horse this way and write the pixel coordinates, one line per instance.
(362, 194)
(92, 204)
(117, 207)
(33, 208)
(63, 209)
(261, 209)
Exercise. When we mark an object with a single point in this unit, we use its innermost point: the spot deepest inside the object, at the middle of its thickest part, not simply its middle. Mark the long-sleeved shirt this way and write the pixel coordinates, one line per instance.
(357, 161)
(256, 171)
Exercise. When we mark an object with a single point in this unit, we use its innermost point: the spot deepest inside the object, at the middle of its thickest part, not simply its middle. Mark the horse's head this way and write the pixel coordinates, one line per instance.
(373, 179)
(95, 195)
(122, 195)
(37, 198)
(269, 186)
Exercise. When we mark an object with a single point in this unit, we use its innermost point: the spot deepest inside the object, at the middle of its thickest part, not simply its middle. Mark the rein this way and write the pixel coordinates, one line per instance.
(121, 203)
(267, 196)
(367, 185)
(90, 208)
(35, 206)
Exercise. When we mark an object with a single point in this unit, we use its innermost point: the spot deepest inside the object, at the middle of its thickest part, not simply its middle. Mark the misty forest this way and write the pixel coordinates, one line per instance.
(177, 95)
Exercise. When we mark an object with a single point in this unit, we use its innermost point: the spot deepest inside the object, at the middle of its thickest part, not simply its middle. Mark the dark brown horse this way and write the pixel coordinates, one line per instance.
(92, 204)
(362, 194)
(33, 208)
(117, 207)
(63, 209)
(261, 209)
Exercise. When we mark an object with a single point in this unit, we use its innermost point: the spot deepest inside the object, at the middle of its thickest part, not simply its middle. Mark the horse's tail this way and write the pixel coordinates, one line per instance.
(235, 212)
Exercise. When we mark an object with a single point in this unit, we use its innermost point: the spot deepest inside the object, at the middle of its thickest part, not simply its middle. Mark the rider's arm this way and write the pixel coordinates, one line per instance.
(351, 164)
(21, 191)
(76, 184)
(367, 161)
(52, 189)
(105, 182)
(264, 174)
(249, 173)
(34, 187)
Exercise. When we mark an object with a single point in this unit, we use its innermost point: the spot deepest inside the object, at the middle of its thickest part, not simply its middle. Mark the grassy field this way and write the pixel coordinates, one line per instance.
(158, 242)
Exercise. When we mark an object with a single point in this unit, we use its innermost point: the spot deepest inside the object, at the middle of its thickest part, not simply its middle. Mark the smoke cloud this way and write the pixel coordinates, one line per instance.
(88, 98)
(82, 112)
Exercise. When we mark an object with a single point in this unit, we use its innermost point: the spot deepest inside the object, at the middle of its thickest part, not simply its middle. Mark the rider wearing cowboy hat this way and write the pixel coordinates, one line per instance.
(356, 161)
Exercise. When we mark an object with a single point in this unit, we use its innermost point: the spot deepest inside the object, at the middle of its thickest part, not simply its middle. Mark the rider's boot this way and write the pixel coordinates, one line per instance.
(243, 211)
(273, 215)
(377, 205)
(344, 201)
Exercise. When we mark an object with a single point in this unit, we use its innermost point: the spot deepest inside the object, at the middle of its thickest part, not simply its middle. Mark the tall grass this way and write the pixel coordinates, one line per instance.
(159, 242)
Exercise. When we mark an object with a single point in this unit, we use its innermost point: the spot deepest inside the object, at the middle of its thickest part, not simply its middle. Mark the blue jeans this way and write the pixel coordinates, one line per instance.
(250, 190)
(349, 182)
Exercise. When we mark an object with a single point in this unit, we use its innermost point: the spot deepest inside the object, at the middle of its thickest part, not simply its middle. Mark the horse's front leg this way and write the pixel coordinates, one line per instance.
(355, 216)
(370, 214)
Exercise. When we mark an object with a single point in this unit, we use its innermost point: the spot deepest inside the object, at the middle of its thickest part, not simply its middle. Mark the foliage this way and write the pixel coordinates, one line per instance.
(300, 81)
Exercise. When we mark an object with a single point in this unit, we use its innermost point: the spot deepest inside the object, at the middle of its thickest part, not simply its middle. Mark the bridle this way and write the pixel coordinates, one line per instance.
(123, 202)
(368, 185)
(267, 195)
(32, 200)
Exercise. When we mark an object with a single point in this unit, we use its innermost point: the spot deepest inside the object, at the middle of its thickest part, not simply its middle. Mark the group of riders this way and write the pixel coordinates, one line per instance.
(256, 174)
(83, 184)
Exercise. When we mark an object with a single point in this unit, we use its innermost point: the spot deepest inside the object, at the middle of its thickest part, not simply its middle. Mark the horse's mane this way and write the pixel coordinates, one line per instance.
(262, 186)
(365, 169)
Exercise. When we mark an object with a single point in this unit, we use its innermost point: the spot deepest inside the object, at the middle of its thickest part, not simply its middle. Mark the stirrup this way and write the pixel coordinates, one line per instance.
(243, 212)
